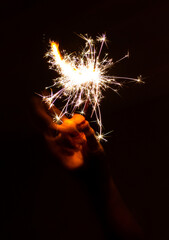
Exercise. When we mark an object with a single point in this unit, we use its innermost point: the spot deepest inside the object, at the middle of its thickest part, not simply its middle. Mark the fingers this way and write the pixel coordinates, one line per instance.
(43, 118)
(78, 119)
(70, 126)
(85, 127)
(72, 134)
(64, 143)
(93, 144)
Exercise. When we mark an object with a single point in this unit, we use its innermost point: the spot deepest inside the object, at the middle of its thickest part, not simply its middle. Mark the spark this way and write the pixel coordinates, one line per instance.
(57, 119)
(102, 136)
(82, 78)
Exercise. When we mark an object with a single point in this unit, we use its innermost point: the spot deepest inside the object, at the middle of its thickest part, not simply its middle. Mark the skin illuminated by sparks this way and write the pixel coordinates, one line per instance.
(82, 78)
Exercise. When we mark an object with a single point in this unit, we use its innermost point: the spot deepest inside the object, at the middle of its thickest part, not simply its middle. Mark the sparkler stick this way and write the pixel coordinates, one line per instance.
(82, 78)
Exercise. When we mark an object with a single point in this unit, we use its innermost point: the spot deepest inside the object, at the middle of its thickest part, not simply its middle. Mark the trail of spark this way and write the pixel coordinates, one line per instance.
(126, 56)
(102, 43)
(128, 78)
(100, 119)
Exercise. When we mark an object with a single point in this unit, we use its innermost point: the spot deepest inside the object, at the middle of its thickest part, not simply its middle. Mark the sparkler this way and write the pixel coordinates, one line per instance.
(82, 79)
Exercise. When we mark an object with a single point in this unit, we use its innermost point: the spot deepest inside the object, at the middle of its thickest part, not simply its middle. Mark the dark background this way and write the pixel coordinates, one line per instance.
(138, 147)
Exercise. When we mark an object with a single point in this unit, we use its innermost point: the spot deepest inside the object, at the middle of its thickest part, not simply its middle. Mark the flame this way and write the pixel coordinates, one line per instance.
(56, 52)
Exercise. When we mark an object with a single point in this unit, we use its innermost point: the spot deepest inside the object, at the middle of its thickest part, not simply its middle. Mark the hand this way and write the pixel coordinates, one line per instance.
(71, 141)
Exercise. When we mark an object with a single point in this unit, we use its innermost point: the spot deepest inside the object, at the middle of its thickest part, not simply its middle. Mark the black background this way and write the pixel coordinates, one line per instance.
(138, 147)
